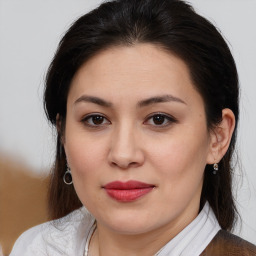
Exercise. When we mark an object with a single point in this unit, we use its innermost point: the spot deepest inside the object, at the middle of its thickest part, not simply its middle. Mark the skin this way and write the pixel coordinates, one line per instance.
(127, 144)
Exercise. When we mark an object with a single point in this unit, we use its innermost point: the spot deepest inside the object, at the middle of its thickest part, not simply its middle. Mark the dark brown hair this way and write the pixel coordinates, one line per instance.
(174, 26)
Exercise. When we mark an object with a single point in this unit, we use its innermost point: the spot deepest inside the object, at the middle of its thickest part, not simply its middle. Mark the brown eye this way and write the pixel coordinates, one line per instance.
(159, 119)
(95, 120)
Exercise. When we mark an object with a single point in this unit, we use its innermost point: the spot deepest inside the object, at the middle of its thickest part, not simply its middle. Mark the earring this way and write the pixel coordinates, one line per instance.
(215, 168)
(67, 177)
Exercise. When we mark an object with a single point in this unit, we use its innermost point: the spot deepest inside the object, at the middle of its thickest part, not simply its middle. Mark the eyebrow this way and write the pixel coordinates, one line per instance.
(160, 99)
(95, 100)
(142, 103)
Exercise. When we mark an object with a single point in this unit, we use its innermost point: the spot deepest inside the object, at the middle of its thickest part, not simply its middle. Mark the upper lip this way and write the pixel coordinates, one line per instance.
(131, 184)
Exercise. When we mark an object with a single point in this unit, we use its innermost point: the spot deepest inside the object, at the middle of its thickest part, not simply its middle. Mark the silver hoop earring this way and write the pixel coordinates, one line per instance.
(67, 177)
(215, 168)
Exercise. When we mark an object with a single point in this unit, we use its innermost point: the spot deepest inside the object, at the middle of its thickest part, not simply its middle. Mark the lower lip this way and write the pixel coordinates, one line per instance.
(128, 195)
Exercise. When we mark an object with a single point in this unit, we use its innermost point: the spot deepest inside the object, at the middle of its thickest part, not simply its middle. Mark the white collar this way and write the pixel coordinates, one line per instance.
(192, 240)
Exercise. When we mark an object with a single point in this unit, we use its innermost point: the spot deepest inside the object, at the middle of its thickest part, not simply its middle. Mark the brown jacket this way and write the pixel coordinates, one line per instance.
(226, 244)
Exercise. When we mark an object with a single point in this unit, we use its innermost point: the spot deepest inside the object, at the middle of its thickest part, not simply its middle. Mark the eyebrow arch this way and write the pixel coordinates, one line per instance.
(160, 99)
(95, 100)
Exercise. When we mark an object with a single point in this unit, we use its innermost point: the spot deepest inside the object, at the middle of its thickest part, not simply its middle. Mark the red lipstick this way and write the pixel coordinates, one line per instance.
(127, 191)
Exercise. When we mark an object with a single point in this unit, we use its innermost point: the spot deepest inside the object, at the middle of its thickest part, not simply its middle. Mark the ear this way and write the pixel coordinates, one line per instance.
(58, 123)
(221, 136)
(59, 127)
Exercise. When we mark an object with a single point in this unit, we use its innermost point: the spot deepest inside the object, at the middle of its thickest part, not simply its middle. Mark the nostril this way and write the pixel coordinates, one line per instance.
(124, 165)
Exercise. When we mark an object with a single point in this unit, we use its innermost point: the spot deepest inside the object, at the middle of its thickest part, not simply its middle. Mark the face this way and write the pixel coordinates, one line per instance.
(136, 139)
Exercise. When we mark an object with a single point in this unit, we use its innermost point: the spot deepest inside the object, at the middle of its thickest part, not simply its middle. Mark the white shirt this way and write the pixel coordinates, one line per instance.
(68, 235)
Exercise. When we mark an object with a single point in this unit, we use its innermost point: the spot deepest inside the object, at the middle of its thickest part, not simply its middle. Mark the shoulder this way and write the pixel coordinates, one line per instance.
(225, 243)
(65, 236)
(30, 239)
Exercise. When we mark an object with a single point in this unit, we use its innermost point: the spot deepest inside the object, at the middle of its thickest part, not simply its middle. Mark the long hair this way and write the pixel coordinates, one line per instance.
(177, 28)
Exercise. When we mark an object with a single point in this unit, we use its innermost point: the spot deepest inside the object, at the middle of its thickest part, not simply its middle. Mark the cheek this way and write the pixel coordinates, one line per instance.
(180, 169)
(181, 156)
(86, 162)
(85, 156)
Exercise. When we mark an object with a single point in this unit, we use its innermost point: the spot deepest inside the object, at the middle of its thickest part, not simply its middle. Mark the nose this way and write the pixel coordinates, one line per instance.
(126, 149)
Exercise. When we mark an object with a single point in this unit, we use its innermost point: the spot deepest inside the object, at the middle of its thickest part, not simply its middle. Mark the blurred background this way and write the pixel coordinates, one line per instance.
(29, 33)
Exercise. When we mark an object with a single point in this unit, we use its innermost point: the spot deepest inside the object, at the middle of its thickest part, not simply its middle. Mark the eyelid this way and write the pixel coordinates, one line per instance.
(88, 116)
(171, 119)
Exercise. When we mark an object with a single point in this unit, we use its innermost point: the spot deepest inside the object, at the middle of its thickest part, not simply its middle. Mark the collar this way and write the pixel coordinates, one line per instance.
(192, 240)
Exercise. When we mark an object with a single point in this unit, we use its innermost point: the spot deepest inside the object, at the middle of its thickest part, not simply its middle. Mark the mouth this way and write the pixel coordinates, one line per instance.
(127, 191)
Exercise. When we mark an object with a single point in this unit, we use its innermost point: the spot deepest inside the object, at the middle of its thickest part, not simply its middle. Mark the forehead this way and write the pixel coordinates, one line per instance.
(142, 69)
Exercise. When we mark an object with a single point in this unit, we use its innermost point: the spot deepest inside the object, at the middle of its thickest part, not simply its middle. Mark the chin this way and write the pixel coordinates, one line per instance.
(128, 223)
(130, 228)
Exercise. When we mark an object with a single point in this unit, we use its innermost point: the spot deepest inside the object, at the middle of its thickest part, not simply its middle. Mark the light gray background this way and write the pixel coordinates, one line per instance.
(29, 33)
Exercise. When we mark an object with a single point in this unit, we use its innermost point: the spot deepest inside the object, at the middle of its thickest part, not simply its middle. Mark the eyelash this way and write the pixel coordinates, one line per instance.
(168, 119)
(88, 117)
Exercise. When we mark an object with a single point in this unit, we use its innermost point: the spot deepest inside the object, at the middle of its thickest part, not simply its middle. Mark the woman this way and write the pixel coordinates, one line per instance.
(144, 96)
